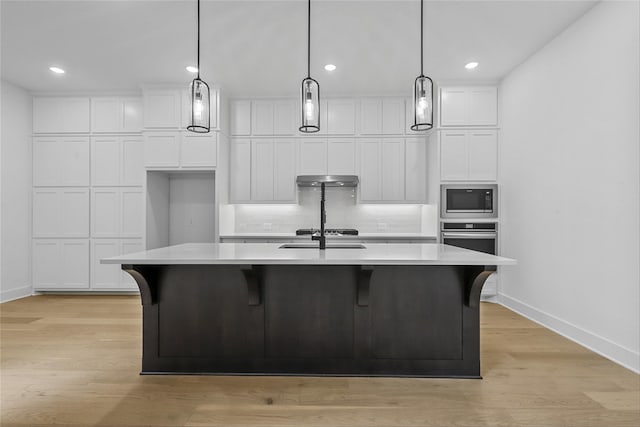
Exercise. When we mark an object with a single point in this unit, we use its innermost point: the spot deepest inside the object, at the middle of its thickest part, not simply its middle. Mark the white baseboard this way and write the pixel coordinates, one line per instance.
(604, 347)
(10, 295)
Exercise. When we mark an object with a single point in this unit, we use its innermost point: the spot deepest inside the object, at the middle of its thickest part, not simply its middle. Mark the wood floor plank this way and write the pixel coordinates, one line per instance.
(74, 361)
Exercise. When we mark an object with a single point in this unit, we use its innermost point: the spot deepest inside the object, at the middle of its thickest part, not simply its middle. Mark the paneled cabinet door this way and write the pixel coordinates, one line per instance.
(61, 212)
(105, 212)
(469, 106)
(198, 151)
(416, 170)
(262, 171)
(454, 159)
(105, 276)
(61, 161)
(162, 109)
(341, 117)
(132, 160)
(371, 116)
(393, 116)
(105, 161)
(131, 212)
(240, 170)
(312, 157)
(162, 149)
(131, 115)
(262, 118)
(453, 106)
(393, 170)
(283, 117)
(483, 155)
(240, 117)
(60, 264)
(370, 170)
(341, 157)
(106, 114)
(61, 115)
(284, 180)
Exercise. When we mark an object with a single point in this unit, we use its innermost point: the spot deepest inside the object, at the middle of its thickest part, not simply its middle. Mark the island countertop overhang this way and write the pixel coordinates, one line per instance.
(272, 254)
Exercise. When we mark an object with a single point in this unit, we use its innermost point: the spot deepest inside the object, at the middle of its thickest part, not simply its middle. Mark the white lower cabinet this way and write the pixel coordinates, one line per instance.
(469, 155)
(111, 276)
(60, 264)
(117, 212)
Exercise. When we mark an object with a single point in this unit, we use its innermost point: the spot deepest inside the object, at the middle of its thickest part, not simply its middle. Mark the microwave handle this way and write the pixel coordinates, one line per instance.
(446, 235)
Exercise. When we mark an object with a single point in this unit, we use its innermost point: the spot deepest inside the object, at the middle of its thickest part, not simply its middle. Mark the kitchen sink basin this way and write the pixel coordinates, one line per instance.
(316, 246)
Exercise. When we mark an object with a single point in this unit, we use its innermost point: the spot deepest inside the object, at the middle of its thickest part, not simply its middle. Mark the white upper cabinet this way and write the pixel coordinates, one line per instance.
(382, 116)
(312, 157)
(416, 170)
(240, 170)
(61, 161)
(469, 106)
(262, 118)
(393, 169)
(341, 157)
(240, 117)
(284, 117)
(468, 155)
(162, 109)
(61, 115)
(132, 161)
(262, 170)
(284, 180)
(370, 170)
(371, 116)
(115, 114)
(198, 150)
(117, 160)
(341, 116)
(162, 149)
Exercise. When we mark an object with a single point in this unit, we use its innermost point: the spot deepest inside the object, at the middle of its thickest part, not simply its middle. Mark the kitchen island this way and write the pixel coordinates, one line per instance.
(383, 309)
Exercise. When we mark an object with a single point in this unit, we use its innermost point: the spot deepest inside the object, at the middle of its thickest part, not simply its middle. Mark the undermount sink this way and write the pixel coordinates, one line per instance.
(315, 246)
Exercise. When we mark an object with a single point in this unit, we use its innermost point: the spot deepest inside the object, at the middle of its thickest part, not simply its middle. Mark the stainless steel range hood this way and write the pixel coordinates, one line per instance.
(328, 180)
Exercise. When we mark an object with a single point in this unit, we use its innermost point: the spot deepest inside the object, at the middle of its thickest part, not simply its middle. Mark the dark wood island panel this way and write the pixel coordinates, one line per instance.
(388, 320)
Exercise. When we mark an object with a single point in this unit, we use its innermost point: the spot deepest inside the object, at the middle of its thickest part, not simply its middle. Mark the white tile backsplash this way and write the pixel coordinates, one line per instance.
(343, 211)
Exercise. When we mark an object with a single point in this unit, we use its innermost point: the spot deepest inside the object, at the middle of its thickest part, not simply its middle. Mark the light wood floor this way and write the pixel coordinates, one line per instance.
(74, 361)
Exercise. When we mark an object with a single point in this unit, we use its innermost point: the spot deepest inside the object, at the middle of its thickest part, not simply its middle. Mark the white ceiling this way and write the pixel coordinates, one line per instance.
(258, 48)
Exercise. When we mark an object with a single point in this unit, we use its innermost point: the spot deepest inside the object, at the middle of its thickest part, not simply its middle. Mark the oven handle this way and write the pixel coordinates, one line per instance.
(449, 235)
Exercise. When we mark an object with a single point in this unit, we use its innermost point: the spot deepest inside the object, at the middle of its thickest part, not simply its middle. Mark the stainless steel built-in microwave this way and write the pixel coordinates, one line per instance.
(469, 201)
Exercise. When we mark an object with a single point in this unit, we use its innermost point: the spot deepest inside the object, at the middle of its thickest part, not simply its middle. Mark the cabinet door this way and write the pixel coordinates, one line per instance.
(262, 171)
(283, 117)
(393, 116)
(128, 246)
(162, 149)
(416, 170)
(341, 117)
(47, 115)
(453, 107)
(284, 181)
(74, 162)
(45, 268)
(393, 169)
(105, 161)
(341, 157)
(46, 161)
(45, 212)
(74, 264)
(371, 116)
(240, 117)
(106, 114)
(198, 151)
(105, 212)
(76, 117)
(453, 156)
(131, 116)
(262, 118)
(132, 161)
(162, 109)
(483, 156)
(240, 170)
(105, 276)
(313, 157)
(370, 170)
(131, 212)
(74, 212)
(482, 106)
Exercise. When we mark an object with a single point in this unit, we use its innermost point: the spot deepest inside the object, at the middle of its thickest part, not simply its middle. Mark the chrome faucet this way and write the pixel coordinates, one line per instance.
(323, 219)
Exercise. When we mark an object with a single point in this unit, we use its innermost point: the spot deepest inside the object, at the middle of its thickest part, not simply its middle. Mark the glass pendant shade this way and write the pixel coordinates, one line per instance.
(310, 106)
(422, 104)
(199, 113)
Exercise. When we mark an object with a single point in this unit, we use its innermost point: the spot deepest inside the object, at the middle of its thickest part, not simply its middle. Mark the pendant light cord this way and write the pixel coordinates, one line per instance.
(309, 39)
(421, 39)
(198, 39)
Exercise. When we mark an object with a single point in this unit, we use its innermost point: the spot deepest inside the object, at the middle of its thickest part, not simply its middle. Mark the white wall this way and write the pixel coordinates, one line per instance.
(15, 183)
(570, 183)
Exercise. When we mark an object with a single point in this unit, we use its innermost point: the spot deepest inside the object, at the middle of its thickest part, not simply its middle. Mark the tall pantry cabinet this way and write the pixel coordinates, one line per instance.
(88, 176)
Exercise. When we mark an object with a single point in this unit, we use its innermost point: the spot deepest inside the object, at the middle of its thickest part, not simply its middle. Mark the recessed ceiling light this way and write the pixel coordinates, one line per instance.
(471, 65)
(330, 67)
(57, 70)
(192, 69)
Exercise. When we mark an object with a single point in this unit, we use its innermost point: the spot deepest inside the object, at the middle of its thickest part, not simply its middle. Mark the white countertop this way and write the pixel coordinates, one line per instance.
(362, 236)
(271, 253)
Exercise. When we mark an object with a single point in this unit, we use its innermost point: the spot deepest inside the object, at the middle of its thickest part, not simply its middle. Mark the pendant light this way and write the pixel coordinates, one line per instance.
(422, 91)
(199, 91)
(310, 89)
